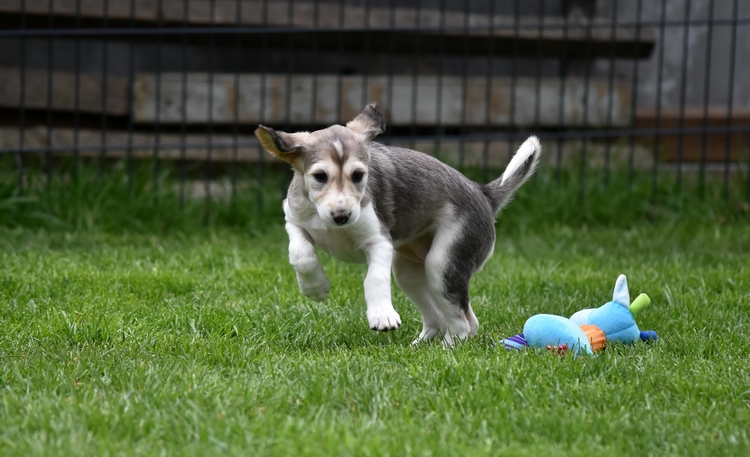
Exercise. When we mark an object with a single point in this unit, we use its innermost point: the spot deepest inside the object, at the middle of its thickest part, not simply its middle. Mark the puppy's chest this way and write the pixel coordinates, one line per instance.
(339, 244)
(347, 243)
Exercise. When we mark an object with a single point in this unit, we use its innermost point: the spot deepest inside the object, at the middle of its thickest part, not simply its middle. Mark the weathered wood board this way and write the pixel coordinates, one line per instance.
(554, 30)
(36, 84)
(139, 145)
(475, 153)
(712, 147)
(426, 100)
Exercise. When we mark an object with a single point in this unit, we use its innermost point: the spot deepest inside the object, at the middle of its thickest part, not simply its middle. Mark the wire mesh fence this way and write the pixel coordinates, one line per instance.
(656, 89)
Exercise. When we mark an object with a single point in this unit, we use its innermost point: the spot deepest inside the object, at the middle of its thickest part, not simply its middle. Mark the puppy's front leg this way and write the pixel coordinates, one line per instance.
(380, 313)
(310, 275)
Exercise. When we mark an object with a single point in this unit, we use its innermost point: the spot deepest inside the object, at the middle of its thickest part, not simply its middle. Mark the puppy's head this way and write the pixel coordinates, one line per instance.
(333, 162)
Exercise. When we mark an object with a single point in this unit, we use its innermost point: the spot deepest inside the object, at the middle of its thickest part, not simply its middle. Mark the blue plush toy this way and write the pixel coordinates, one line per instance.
(588, 330)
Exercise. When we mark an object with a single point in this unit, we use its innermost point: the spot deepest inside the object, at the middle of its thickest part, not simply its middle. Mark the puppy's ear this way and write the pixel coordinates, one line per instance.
(369, 122)
(286, 146)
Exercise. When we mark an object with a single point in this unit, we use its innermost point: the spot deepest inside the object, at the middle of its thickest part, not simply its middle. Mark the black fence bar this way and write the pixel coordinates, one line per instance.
(706, 93)
(610, 89)
(77, 93)
(131, 100)
(183, 103)
(514, 72)
(261, 168)
(440, 78)
(563, 74)
(157, 108)
(105, 77)
(22, 101)
(210, 113)
(236, 105)
(464, 80)
(634, 85)
(683, 90)
(50, 89)
(730, 101)
(659, 86)
(415, 69)
(488, 90)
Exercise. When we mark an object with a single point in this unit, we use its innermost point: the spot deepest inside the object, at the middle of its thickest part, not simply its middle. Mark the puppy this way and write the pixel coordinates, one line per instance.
(392, 208)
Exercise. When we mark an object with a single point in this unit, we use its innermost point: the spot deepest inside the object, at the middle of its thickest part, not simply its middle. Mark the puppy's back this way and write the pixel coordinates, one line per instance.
(411, 191)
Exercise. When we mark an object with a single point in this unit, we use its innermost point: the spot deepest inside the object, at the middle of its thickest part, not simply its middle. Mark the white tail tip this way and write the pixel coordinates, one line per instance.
(528, 148)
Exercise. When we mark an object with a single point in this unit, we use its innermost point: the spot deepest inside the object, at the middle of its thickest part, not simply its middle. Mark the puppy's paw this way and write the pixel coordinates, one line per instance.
(314, 289)
(428, 333)
(384, 321)
(450, 339)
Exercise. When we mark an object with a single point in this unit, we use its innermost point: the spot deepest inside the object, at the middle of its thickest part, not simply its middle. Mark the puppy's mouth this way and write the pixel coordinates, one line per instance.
(341, 217)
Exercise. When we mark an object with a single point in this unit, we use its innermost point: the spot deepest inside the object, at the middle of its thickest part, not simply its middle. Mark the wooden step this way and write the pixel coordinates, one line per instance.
(426, 30)
(314, 100)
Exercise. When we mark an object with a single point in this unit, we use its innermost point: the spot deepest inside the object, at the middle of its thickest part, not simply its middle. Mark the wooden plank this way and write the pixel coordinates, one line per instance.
(143, 144)
(327, 17)
(268, 100)
(692, 147)
(471, 153)
(36, 94)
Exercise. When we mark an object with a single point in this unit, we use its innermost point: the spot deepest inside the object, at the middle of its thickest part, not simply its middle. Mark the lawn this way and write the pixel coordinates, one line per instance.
(197, 342)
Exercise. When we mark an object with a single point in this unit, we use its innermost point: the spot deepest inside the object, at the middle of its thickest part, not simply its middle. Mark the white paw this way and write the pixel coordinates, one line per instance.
(316, 289)
(450, 339)
(458, 330)
(428, 333)
(384, 321)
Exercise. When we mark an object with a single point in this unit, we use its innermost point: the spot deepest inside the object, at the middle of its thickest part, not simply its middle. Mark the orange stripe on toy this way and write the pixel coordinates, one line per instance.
(595, 335)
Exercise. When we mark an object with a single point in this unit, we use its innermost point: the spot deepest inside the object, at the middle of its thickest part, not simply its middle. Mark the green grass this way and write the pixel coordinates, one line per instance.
(163, 336)
(91, 201)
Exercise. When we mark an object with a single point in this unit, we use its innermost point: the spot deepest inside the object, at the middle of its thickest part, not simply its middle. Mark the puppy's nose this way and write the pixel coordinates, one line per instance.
(340, 217)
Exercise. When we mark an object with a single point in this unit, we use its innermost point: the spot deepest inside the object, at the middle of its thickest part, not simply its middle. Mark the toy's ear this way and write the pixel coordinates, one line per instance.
(621, 295)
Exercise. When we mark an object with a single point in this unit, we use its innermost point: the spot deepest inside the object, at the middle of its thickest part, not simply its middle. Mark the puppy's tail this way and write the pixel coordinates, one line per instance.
(520, 168)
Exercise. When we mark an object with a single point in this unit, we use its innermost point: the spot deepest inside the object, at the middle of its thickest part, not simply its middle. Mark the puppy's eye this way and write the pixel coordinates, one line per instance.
(357, 176)
(321, 177)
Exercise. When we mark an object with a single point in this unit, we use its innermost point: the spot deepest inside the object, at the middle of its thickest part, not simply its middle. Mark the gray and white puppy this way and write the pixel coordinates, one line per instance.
(392, 208)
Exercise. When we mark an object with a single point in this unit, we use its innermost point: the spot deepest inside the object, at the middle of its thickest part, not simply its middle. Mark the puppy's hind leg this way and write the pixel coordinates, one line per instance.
(411, 278)
(457, 252)
(453, 306)
(473, 321)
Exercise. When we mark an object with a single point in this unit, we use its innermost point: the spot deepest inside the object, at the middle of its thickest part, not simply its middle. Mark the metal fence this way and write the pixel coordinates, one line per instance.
(655, 88)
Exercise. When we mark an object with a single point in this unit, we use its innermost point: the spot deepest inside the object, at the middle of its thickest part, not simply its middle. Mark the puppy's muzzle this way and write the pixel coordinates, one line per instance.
(340, 217)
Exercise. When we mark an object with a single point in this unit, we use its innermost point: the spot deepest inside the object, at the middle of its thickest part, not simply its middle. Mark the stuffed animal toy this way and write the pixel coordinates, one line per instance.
(588, 330)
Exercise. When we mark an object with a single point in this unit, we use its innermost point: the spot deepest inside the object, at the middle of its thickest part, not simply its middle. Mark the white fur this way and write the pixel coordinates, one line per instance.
(357, 242)
(329, 199)
(379, 253)
(411, 278)
(311, 278)
(337, 146)
(522, 155)
(455, 324)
